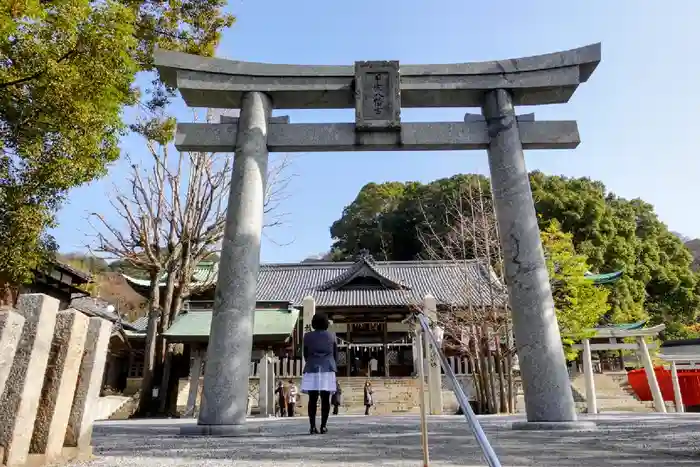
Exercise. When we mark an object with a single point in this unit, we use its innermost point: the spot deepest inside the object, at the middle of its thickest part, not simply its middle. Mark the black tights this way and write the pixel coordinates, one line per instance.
(325, 407)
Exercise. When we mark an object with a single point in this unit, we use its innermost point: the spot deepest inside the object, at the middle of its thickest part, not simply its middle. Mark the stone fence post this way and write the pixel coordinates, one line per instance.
(20, 399)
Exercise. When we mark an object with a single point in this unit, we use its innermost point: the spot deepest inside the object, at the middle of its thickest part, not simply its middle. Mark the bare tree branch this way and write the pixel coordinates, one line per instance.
(170, 219)
(478, 329)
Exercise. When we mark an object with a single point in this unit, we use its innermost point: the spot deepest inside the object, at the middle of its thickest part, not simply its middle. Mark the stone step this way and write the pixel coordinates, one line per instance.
(127, 409)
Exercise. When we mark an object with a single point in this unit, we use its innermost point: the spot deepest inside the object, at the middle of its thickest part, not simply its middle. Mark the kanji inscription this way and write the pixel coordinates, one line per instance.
(377, 96)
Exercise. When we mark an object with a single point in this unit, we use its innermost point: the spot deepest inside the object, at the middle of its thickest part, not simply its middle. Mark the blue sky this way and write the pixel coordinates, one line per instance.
(637, 115)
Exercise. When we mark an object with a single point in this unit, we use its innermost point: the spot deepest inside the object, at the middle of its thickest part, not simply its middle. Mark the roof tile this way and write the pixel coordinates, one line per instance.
(457, 283)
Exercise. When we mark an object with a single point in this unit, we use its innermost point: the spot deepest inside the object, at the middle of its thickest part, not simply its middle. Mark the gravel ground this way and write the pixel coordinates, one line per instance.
(620, 440)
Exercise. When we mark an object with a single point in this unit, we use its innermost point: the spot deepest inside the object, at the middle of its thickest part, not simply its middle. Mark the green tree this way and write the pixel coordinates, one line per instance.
(613, 233)
(67, 71)
(579, 303)
(619, 234)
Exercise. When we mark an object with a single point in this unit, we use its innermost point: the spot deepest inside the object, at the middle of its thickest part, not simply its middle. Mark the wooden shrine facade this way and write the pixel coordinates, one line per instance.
(367, 301)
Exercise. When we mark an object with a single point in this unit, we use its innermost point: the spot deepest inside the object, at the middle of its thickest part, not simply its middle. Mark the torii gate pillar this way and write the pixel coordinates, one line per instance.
(548, 396)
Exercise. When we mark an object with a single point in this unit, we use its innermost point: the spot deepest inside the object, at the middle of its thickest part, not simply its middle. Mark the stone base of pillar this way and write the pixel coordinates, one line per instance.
(224, 431)
(578, 425)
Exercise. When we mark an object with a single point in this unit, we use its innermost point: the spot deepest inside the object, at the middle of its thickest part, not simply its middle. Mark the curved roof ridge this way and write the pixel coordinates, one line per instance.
(354, 270)
(325, 264)
(397, 284)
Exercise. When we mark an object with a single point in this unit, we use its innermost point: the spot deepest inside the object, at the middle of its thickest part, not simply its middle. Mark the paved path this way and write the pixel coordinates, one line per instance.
(621, 440)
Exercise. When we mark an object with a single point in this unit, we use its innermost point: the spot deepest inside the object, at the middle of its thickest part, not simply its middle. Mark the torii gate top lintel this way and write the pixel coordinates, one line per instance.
(219, 83)
(378, 91)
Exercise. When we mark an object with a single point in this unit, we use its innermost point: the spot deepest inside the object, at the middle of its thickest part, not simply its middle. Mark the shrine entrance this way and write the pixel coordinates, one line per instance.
(371, 349)
(378, 91)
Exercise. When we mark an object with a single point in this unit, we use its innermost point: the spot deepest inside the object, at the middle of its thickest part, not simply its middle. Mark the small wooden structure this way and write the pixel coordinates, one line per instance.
(58, 280)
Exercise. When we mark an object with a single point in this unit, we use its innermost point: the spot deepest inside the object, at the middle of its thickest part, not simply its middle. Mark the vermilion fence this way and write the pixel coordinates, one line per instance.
(688, 380)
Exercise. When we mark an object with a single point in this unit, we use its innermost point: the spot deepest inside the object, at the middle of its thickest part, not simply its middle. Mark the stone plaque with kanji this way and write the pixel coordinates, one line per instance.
(377, 96)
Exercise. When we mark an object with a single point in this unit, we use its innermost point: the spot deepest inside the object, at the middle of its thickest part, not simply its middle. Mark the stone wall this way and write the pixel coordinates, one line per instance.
(51, 368)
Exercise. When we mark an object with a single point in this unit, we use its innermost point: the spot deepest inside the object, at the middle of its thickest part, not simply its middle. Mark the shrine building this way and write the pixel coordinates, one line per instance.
(367, 301)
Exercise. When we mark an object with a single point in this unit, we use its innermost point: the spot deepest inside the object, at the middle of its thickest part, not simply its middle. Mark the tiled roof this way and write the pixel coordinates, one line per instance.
(140, 324)
(93, 306)
(450, 282)
(455, 283)
(365, 267)
(82, 275)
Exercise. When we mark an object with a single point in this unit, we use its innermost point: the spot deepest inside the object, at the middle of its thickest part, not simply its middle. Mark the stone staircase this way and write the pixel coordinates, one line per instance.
(613, 393)
(127, 409)
(391, 395)
(108, 405)
(400, 396)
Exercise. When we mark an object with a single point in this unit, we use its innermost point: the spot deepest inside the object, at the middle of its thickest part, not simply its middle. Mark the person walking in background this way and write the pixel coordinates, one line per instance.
(281, 408)
(318, 380)
(292, 393)
(369, 401)
(336, 398)
(373, 366)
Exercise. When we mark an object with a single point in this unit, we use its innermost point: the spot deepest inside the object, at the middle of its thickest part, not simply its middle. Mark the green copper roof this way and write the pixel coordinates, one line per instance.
(206, 272)
(600, 279)
(268, 322)
(625, 327)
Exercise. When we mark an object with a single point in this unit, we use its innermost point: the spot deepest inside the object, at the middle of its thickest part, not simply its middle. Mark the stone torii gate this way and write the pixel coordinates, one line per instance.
(377, 91)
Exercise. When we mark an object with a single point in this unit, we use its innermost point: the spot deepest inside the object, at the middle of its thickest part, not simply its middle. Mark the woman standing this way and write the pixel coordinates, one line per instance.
(291, 398)
(281, 400)
(318, 381)
(369, 402)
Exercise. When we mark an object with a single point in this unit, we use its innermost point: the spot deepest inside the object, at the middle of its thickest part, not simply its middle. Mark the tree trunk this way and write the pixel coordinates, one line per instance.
(509, 362)
(509, 378)
(492, 381)
(176, 307)
(501, 380)
(146, 394)
(161, 363)
(176, 354)
(488, 365)
(484, 371)
(479, 386)
(481, 373)
(167, 369)
(485, 399)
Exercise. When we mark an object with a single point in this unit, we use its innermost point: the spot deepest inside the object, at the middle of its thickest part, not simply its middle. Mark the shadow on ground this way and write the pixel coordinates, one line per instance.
(620, 440)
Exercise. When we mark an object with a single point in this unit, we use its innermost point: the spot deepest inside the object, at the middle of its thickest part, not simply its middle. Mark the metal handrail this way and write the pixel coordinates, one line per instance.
(462, 400)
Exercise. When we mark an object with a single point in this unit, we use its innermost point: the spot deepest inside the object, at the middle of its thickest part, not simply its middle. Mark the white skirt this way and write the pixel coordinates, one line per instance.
(320, 381)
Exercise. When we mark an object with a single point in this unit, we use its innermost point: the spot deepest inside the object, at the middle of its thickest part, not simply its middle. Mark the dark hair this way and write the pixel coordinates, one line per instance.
(320, 322)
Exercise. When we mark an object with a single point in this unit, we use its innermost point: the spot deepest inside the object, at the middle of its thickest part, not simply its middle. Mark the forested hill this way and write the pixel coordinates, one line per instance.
(613, 233)
(694, 247)
(108, 282)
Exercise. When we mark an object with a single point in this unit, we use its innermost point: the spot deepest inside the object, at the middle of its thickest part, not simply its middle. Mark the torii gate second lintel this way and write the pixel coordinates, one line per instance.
(378, 91)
